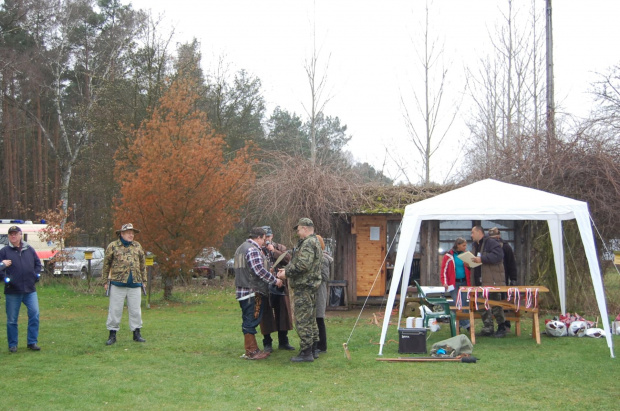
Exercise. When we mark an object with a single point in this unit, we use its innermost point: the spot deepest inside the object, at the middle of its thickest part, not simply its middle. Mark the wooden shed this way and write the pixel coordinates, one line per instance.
(366, 238)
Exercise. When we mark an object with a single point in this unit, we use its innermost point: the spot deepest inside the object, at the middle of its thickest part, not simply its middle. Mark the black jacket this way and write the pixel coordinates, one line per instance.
(24, 270)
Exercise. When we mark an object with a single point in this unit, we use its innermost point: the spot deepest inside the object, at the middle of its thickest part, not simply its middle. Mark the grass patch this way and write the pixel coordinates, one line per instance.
(191, 361)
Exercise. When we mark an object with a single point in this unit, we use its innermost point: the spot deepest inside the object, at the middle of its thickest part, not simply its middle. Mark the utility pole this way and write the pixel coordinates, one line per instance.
(550, 86)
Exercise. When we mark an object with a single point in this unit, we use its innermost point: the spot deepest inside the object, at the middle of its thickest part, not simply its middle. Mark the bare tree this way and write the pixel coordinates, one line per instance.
(428, 135)
(318, 100)
(293, 187)
(506, 91)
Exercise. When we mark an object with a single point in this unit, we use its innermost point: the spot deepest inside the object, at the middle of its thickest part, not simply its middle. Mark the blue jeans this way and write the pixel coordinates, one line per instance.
(13, 304)
(248, 313)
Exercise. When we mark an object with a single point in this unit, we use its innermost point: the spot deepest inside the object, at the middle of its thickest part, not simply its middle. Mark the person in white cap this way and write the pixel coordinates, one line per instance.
(124, 273)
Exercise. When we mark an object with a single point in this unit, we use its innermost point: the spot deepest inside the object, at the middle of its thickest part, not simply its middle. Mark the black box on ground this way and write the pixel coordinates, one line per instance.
(412, 340)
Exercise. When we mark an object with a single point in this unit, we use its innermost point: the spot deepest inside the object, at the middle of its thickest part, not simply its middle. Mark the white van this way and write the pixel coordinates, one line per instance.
(30, 234)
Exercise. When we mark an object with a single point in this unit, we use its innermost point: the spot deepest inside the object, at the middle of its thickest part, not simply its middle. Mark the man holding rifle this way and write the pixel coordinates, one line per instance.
(124, 273)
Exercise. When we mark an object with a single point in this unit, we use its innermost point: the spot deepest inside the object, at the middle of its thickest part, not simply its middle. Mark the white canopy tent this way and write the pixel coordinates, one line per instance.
(494, 200)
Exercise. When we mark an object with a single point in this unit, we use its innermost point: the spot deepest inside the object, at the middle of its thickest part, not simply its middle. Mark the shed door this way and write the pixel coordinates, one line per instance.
(370, 253)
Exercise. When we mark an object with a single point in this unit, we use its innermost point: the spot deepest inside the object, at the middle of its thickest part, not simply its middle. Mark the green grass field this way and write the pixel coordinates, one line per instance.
(191, 361)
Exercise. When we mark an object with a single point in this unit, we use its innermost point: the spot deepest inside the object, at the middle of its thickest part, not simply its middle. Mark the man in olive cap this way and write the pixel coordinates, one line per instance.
(304, 274)
(124, 273)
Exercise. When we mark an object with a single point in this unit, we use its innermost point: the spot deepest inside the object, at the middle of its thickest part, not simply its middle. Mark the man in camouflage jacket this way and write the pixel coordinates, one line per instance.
(124, 273)
(304, 277)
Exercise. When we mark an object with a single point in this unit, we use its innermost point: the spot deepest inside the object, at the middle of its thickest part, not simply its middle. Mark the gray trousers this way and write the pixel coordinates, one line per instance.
(117, 301)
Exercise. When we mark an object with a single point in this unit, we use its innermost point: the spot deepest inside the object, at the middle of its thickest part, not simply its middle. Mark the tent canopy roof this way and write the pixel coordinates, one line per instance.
(491, 199)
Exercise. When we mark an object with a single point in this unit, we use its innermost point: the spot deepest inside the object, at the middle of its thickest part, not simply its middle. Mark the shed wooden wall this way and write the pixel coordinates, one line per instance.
(370, 254)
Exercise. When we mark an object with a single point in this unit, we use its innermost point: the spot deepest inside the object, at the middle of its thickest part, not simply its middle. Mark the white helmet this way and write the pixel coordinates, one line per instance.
(555, 328)
(595, 332)
(577, 328)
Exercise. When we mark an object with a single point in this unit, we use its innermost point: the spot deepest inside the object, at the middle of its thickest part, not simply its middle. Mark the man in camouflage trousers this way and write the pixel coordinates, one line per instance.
(124, 273)
(304, 275)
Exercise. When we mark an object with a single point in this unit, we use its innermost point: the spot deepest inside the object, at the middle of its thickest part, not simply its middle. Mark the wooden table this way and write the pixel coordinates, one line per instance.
(522, 299)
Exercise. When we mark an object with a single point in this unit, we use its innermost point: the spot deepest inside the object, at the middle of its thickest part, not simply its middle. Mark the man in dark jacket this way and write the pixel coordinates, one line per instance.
(22, 269)
(491, 273)
(510, 263)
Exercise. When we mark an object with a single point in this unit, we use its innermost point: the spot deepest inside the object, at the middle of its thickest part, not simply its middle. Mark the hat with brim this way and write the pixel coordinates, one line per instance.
(304, 222)
(127, 227)
(14, 229)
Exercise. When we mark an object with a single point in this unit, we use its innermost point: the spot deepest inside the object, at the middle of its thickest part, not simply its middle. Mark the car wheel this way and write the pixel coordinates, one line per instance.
(83, 273)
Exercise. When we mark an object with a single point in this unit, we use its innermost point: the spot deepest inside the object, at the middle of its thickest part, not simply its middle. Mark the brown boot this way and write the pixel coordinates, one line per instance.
(251, 348)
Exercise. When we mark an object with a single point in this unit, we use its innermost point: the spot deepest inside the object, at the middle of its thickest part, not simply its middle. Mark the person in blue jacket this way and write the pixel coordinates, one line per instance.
(21, 269)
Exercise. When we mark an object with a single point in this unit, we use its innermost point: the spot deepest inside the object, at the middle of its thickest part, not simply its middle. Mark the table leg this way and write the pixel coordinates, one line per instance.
(536, 328)
(472, 325)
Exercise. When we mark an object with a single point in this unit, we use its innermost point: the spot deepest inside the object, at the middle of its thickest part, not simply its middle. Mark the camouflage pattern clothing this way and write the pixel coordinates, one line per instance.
(120, 261)
(304, 303)
(304, 276)
(304, 270)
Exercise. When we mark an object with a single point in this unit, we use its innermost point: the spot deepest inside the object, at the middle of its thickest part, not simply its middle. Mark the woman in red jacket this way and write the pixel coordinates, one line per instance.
(455, 273)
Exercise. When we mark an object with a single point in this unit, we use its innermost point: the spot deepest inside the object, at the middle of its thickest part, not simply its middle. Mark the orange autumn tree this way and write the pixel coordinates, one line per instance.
(177, 187)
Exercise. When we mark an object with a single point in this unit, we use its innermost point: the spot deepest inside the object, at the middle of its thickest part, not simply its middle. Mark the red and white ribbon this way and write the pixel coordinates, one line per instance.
(529, 296)
(515, 295)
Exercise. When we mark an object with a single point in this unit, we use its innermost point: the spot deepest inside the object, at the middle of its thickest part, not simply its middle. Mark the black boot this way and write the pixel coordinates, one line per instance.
(111, 338)
(501, 331)
(283, 341)
(267, 343)
(305, 355)
(315, 350)
(137, 337)
(322, 345)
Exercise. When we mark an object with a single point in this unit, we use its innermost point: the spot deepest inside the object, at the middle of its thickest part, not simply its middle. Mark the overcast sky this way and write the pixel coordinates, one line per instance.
(372, 58)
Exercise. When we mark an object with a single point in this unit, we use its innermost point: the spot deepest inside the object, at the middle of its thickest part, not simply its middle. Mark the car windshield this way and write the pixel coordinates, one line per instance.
(76, 255)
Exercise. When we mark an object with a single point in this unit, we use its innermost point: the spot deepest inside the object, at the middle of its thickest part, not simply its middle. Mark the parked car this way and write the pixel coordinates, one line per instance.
(230, 267)
(209, 263)
(73, 263)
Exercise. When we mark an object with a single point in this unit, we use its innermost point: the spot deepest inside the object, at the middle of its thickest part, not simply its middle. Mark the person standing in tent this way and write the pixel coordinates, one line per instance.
(489, 253)
(277, 313)
(455, 273)
(251, 282)
(510, 263)
(304, 274)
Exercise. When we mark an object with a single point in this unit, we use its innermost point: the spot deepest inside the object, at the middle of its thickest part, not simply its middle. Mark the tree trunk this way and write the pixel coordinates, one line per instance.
(168, 285)
(65, 180)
